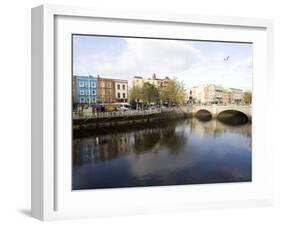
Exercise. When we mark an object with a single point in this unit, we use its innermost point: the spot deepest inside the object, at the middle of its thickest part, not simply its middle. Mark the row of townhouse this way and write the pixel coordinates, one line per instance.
(215, 94)
(98, 90)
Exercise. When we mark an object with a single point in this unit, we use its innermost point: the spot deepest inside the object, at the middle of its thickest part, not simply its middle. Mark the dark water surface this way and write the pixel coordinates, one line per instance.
(189, 151)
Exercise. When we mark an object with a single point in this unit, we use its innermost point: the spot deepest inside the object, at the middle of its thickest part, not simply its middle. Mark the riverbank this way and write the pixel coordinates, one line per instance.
(97, 125)
(107, 121)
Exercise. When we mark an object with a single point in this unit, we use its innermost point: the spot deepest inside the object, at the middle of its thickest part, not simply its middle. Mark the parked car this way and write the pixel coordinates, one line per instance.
(122, 108)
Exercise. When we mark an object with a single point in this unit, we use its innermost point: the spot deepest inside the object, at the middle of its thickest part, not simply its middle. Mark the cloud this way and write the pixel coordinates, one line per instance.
(161, 163)
(190, 63)
(236, 72)
(245, 64)
(144, 57)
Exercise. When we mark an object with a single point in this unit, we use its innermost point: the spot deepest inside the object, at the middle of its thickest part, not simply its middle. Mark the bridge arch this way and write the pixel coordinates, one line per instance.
(233, 116)
(203, 114)
(216, 110)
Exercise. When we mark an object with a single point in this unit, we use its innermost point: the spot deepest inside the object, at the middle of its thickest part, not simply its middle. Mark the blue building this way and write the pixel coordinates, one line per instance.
(85, 90)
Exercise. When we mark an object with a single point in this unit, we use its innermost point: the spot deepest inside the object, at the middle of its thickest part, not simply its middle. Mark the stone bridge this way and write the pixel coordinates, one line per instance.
(215, 110)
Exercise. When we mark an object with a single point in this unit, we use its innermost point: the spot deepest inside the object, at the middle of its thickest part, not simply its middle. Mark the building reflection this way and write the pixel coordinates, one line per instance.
(106, 147)
(216, 127)
(100, 148)
(172, 138)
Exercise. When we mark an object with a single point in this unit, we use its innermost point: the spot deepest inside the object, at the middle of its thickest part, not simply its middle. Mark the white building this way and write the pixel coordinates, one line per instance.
(236, 95)
(196, 94)
(121, 90)
(214, 94)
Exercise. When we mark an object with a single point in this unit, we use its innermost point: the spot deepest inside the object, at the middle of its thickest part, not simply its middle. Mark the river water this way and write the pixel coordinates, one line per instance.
(188, 151)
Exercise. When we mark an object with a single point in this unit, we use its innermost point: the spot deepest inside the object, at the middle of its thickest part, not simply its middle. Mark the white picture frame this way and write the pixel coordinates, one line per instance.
(49, 188)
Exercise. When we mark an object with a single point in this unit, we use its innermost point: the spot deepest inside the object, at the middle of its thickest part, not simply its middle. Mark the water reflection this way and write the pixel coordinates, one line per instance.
(186, 152)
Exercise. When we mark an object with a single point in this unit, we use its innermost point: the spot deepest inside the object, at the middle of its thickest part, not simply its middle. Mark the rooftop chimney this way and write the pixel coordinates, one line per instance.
(154, 76)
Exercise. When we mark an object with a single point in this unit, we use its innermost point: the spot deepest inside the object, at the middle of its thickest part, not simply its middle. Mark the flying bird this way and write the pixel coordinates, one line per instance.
(227, 58)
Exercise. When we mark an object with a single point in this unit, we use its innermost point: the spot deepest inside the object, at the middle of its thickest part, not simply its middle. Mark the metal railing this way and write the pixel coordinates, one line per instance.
(117, 113)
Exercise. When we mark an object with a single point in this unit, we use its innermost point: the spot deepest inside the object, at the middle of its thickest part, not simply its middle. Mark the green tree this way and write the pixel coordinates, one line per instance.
(135, 93)
(149, 93)
(174, 92)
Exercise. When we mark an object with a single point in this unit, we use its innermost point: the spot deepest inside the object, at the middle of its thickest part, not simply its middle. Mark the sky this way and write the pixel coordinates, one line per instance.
(192, 62)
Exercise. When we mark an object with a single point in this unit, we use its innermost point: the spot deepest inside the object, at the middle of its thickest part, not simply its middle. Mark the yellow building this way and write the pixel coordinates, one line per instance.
(138, 81)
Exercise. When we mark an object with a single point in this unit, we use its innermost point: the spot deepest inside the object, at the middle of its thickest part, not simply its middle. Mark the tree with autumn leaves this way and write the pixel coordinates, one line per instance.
(247, 97)
(172, 93)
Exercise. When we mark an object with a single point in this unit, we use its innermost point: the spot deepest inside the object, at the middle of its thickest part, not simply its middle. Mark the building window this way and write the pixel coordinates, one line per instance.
(82, 92)
(102, 84)
(94, 100)
(88, 99)
(118, 86)
(82, 100)
(124, 95)
(118, 95)
(81, 84)
(94, 92)
(109, 84)
(109, 92)
(102, 92)
(88, 93)
(94, 84)
(123, 87)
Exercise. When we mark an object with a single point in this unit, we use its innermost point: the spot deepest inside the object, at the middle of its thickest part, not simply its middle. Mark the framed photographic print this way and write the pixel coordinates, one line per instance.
(140, 112)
